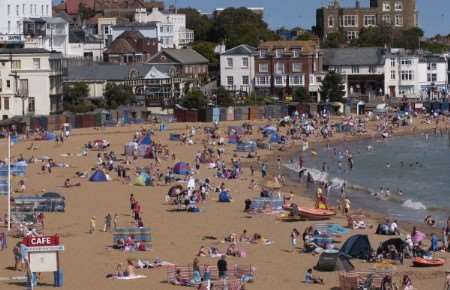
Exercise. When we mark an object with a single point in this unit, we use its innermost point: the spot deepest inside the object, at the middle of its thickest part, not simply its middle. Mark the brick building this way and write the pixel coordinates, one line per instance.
(283, 66)
(399, 14)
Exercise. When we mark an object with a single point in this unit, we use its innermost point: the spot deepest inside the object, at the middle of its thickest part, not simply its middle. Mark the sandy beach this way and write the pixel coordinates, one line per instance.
(177, 236)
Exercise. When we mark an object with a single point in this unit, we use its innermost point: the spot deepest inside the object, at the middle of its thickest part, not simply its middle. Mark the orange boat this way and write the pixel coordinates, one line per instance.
(316, 213)
(421, 262)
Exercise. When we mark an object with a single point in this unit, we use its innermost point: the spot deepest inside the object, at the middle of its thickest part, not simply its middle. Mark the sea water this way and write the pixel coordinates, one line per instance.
(415, 170)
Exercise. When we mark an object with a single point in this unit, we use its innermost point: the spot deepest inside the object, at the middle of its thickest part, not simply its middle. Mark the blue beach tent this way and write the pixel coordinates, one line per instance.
(224, 197)
(98, 176)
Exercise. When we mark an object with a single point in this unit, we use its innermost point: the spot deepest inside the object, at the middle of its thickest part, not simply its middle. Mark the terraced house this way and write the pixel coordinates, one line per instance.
(283, 66)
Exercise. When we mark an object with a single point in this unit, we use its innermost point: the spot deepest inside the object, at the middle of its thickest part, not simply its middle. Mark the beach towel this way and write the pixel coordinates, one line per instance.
(129, 277)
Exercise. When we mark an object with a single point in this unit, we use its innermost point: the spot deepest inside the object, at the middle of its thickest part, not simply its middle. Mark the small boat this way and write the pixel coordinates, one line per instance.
(289, 218)
(316, 213)
(422, 262)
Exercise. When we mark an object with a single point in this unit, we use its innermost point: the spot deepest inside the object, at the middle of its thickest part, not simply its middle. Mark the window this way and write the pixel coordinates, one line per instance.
(296, 52)
(245, 62)
(229, 62)
(387, 19)
(370, 20)
(278, 52)
(46, 10)
(245, 80)
(31, 105)
(18, 27)
(406, 61)
(296, 80)
(16, 64)
(279, 80)
(337, 69)
(407, 75)
(386, 6)
(42, 10)
(330, 21)
(6, 104)
(263, 80)
(263, 68)
(23, 87)
(262, 53)
(36, 63)
(9, 26)
(9, 9)
(432, 66)
(279, 68)
(296, 67)
(17, 10)
(398, 6)
(393, 74)
(392, 62)
(432, 77)
(8, 84)
(23, 9)
(352, 35)
(398, 20)
(372, 69)
(230, 80)
(350, 21)
(355, 69)
(31, 9)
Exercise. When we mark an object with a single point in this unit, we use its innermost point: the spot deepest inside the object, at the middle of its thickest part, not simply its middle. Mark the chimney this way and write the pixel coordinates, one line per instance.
(358, 4)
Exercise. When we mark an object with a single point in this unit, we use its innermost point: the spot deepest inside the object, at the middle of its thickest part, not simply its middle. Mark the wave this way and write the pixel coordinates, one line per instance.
(318, 176)
(417, 205)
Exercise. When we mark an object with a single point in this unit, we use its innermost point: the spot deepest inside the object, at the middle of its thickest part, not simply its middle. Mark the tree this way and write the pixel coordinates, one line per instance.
(380, 36)
(301, 96)
(206, 49)
(118, 95)
(197, 22)
(75, 97)
(334, 40)
(85, 12)
(194, 100)
(332, 87)
(409, 38)
(224, 98)
(236, 26)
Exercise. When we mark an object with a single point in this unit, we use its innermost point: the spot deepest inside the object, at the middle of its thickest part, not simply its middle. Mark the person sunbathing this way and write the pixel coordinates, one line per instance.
(68, 184)
(233, 251)
(244, 237)
(202, 252)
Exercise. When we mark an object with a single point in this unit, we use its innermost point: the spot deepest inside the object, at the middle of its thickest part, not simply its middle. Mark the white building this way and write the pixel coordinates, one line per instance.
(237, 69)
(47, 33)
(415, 76)
(13, 12)
(31, 82)
(172, 27)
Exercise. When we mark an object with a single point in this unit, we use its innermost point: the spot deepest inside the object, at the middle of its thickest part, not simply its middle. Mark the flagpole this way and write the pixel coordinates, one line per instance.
(9, 182)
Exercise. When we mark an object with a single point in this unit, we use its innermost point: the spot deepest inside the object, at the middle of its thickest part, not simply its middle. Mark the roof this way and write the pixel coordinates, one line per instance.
(353, 56)
(242, 49)
(432, 58)
(151, 24)
(55, 20)
(307, 46)
(23, 50)
(112, 72)
(183, 56)
(120, 46)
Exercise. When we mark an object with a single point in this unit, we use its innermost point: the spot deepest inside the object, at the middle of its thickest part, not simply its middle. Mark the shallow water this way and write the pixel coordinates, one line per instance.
(417, 166)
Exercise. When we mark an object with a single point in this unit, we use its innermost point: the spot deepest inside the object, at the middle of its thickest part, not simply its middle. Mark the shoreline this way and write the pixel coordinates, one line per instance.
(374, 216)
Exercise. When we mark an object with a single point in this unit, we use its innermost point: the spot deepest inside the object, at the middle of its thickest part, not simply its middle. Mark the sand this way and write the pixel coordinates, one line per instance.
(177, 236)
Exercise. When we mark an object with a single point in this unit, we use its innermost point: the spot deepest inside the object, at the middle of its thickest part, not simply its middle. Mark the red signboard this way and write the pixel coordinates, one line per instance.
(41, 241)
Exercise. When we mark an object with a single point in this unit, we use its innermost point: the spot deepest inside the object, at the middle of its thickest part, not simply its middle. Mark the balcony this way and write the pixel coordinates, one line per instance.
(262, 81)
(280, 80)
